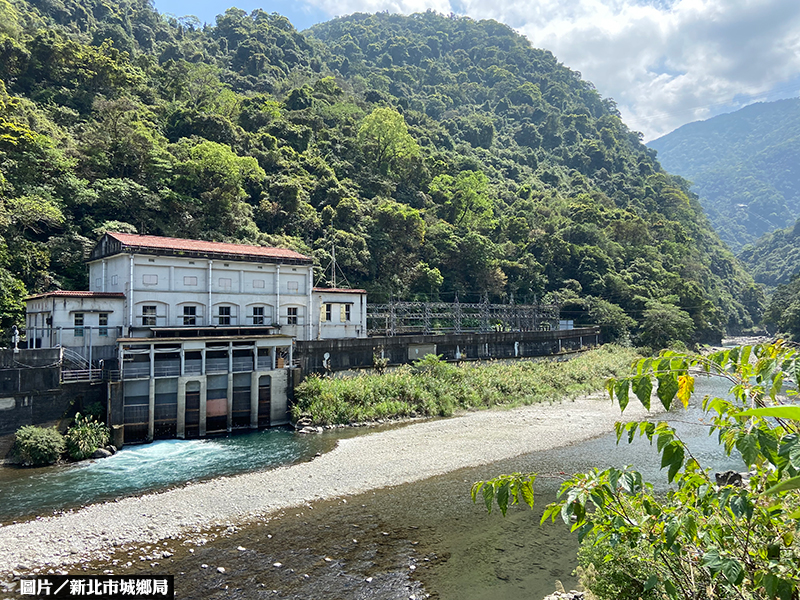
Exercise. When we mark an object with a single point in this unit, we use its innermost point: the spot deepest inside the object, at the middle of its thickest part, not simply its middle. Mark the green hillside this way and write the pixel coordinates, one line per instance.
(744, 166)
(439, 155)
(775, 258)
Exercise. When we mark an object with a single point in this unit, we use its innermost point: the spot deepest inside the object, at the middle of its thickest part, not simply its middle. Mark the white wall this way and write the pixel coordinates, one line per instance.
(338, 327)
(62, 310)
(171, 283)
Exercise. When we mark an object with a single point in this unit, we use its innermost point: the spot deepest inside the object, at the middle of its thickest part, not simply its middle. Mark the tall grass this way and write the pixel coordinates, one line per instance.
(434, 388)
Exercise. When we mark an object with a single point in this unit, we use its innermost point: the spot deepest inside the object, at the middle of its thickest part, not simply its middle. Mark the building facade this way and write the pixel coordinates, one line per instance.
(88, 322)
(202, 332)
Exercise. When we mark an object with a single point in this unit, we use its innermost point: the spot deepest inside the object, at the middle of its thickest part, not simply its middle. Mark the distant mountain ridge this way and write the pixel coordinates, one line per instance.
(745, 167)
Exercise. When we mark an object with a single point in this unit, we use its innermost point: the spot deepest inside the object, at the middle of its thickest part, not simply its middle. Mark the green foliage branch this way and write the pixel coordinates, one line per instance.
(85, 436)
(703, 538)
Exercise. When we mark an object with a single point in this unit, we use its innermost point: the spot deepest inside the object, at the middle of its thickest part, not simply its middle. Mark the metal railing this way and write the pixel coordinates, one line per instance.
(135, 371)
(72, 375)
(70, 356)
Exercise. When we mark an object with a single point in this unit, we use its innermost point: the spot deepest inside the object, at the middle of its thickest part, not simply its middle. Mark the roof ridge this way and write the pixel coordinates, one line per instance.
(136, 240)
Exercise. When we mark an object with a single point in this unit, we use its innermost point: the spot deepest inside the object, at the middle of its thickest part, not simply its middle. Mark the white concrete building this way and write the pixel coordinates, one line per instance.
(169, 282)
(87, 322)
(202, 331)
(341, 313)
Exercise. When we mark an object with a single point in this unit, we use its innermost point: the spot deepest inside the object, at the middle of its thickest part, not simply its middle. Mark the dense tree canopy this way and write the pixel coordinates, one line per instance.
(440, 155)
(775, 258)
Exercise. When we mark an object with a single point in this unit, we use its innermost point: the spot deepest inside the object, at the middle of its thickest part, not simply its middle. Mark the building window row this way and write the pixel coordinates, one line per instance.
(79, 323)
(344, 312)
(223, 315)
(224, 283)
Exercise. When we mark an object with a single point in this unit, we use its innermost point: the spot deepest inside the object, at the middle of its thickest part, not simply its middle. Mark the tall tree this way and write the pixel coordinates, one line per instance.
(384, 139)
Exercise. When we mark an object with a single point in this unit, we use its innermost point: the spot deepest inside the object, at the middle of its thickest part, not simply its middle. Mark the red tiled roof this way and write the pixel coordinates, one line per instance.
(165, 243)
(339, 290)
(76, 294)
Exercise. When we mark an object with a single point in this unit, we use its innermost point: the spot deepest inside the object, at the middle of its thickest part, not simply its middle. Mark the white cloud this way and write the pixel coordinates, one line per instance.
(665, 62)
(406, 7)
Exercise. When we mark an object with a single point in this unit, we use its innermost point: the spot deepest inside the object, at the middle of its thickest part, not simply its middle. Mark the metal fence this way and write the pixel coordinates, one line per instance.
(73, 375)
(427, 318)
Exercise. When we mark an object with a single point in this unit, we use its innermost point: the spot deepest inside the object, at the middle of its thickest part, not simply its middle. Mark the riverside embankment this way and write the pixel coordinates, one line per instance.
(373, 461)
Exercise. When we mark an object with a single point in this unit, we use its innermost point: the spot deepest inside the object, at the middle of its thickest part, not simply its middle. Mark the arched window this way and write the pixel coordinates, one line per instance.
(259, 314)
(226, 314)
(151, 313)
(190, 314)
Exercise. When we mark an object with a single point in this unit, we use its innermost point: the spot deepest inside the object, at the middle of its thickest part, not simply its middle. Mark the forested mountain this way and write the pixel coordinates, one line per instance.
(745, 167)
(775, 258)
(439, 155)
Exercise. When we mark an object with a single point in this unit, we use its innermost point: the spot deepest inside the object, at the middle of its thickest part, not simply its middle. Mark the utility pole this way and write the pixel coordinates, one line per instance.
(333, 264)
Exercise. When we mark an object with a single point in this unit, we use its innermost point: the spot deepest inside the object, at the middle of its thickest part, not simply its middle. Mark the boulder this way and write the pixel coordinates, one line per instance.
(728, 478)
(101, 453)
(570, 595)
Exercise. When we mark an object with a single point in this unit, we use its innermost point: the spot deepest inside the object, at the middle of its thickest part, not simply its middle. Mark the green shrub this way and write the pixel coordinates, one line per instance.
(432, 387)
(615, 571)
(85, 436)
(38, 446)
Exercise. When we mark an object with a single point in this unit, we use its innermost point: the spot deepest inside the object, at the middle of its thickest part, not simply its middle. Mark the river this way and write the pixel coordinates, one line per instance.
(424, 539)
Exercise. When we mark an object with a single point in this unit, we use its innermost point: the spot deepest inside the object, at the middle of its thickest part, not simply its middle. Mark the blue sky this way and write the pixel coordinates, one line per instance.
(301, 14)
(664, 62)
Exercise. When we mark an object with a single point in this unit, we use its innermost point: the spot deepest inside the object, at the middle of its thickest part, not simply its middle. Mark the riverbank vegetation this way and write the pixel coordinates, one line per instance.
(431, 387)
(39, 446)
(728, 536)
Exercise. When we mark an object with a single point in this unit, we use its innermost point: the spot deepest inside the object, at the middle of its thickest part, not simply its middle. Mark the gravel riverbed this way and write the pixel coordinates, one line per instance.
(386, 458)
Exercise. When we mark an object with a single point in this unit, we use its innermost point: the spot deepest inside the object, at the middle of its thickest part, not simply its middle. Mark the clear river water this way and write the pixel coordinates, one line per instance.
(425, 539)
(149, 467)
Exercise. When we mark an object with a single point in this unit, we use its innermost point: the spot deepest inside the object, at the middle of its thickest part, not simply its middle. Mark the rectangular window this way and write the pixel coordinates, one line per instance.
(224, 315)
(78, 324)
(149, 279)
(114, 279)
(224, 282)
(98, 283)
(148, 316)
(190, 315)
(292, 286)
(258, 315)
(328, 314)
(188, 280)
(291, 315)
(258, 284)
(103, 321)
(344, 313)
